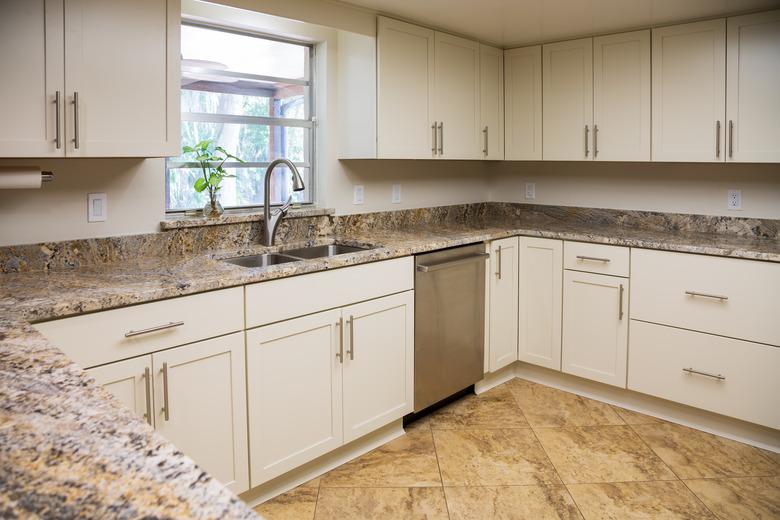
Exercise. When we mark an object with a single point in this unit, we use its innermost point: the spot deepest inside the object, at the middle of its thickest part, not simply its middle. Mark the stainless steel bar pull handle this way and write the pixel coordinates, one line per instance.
(131, 333)
(76, 120)
(593, 258)
(587, 132)
(717, 138)
(441, 138)
(620, 306)
(731, 138)
(148, 387)
(498, 259)
(57, 134)
(426, 268)
(485, 135)
(351, 351)
(433, 129)
(691, 370)
(340, 353)
(166, 410)
(707, 295)
(595, 141)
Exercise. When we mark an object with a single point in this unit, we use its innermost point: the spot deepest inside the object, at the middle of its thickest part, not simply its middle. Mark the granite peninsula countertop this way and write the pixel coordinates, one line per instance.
(67, 448)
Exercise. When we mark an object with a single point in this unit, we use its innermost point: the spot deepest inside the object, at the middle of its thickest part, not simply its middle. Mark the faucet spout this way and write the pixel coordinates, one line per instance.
(272, 219)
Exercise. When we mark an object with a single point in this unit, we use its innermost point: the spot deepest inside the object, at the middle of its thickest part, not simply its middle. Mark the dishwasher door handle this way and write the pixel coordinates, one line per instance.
(423, 268)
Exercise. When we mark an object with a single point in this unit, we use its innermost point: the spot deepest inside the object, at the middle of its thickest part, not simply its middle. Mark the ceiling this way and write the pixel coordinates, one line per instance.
(510, 23)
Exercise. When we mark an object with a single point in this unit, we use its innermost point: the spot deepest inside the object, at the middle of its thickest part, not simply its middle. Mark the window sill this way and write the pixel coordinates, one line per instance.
(236, 217)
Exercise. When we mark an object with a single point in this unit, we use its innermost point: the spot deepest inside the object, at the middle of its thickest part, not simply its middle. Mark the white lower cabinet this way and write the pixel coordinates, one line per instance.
(323, 380)
(539, 306)
(502, 303)
(195, 397)
(595, 327)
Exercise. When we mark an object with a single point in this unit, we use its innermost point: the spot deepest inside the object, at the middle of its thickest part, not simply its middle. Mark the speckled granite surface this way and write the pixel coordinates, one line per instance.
(68, 449)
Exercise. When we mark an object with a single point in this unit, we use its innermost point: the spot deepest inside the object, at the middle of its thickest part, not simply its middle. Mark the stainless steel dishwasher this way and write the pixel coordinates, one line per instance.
(449, 322)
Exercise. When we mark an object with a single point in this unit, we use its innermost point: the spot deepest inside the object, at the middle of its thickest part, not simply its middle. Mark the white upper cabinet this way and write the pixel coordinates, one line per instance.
(689, 92)
(405, 79)
(32, 82)
(456, 99)
(523, 103)
(621, 97)
(753, 88)
(491, 93)
(567, 78)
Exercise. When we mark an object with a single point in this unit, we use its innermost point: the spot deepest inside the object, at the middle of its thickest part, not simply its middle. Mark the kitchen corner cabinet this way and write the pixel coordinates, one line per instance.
(523, 104)
(193, 388)
(595, 327)
(491, 93)
(91, 78)
(753, 84)
(689, 92)
(540, 276)
(502, 303)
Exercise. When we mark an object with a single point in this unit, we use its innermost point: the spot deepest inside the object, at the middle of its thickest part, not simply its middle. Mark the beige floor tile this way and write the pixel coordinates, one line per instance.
(740, 498)
(772, 455)
(409, 461)
(296, 504)
(495, 408)
(632, 417)
(601, 454)
(381, 504)
(669, 500)
(492, 458)
(546, 407)
(511, 503)
(695, 454)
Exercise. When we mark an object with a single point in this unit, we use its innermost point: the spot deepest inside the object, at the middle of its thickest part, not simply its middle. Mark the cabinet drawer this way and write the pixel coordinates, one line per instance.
(103, 337)
(748, 391)
(596, 258)
(277, 300)
(725, 296)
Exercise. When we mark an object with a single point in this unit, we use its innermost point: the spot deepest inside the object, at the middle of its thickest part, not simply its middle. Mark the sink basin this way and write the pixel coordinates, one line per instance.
(263, 260)
(324, 251)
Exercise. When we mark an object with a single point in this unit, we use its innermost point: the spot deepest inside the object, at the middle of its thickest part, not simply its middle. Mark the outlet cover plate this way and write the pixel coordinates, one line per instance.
(734, 200)
(97, 207)
(530, 190)
(357, 194)
(396, 194)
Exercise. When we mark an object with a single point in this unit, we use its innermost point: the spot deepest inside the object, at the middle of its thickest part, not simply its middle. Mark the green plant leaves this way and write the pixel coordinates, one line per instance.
(208, 154)
(200, 184)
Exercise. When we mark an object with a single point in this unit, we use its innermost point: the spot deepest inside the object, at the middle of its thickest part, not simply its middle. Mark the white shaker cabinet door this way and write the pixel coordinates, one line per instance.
(595, 327)
(122, 78)
(523, 104)
(200, 398)
(621, 97)
(405, 78)
(689, 92)
(456, 99)
(753, 88)
(32, 81)
(294, 379)
(491, 93)
(567, 78)
(503, 303)
(540, 275)
(130, 381)
(378, 363)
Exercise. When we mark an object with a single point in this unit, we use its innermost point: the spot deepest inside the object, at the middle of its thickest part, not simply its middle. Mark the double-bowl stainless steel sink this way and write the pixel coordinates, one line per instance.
(295, 255)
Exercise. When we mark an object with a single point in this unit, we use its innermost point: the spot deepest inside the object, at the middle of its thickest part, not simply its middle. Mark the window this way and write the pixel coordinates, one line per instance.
(253, 96)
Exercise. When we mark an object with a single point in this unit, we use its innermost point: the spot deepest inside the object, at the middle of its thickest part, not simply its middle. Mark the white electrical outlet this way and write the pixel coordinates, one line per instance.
(357, 194)
(530, 190)
(734, 200)
(396, 194)
(97, 207)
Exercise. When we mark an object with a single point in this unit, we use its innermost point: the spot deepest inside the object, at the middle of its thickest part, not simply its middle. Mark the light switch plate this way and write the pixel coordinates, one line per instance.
(734, 200)
(530, 190)
(97, 207)
(396, 194)
(357, 195)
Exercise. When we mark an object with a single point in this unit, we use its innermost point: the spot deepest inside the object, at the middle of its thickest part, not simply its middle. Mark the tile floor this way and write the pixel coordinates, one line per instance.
(527, 451)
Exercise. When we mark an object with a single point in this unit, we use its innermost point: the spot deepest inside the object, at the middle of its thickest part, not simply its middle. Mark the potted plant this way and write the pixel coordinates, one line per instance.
(208, 155)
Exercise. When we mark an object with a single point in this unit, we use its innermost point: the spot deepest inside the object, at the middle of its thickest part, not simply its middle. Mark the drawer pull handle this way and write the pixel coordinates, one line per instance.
(148, 388)
(351, 323)
(593, 258)
(620, 308)
(719, 377)
(131, 333)
(166, 407)
(706, 295)
(498, 257)
(340, 353)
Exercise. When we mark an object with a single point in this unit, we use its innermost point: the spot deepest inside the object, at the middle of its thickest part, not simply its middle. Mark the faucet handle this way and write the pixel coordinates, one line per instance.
(284, 207)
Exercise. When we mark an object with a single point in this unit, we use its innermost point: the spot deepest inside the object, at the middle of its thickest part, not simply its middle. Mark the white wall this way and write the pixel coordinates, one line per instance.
(668, 187)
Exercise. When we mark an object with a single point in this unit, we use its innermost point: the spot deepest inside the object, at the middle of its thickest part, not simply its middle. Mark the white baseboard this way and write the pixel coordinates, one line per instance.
(749, 433)
(493, 379)
(323, 464)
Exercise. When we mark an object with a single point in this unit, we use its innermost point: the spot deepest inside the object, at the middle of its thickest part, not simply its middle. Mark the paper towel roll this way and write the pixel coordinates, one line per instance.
(21, 178)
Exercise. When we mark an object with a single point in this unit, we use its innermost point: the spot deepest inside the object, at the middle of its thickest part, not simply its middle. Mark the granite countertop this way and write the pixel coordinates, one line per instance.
(67, 448)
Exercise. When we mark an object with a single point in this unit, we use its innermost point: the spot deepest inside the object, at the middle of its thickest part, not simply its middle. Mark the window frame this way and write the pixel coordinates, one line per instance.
(310, 123)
